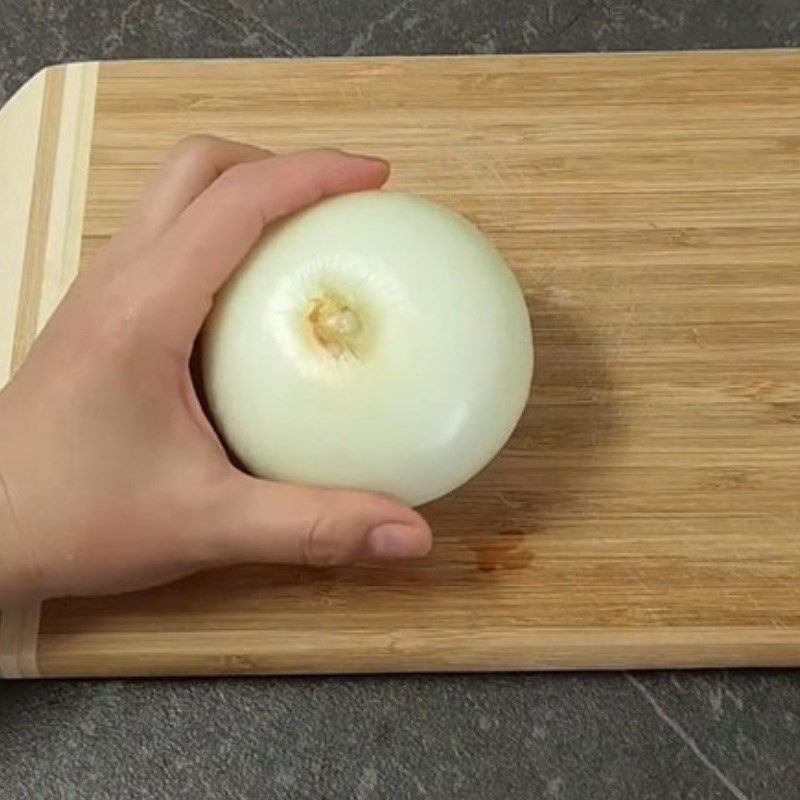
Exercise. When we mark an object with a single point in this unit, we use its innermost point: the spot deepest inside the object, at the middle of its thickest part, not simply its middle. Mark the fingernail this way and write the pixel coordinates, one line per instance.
(373, 159)
(393, 540)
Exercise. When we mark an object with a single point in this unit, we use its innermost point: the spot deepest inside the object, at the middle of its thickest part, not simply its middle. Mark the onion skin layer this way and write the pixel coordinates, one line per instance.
(375, 341)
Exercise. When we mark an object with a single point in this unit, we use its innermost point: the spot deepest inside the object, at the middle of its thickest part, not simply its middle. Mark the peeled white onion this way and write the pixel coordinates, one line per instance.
(374, 341)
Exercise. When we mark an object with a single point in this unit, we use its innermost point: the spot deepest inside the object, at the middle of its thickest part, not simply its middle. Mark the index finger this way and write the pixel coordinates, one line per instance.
(189, 168)
(211, 237)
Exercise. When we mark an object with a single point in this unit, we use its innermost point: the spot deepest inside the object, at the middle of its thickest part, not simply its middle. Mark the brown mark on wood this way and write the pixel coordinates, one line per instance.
(503, 551)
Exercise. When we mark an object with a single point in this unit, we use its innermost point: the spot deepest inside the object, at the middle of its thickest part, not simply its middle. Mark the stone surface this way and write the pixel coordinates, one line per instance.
(689, 736)
(659, 736)
(34, 33)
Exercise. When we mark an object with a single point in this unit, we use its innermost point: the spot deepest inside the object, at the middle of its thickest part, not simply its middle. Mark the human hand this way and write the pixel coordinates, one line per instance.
(111, 477)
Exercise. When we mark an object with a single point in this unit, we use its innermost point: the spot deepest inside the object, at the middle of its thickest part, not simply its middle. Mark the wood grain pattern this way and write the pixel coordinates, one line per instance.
(647, 510)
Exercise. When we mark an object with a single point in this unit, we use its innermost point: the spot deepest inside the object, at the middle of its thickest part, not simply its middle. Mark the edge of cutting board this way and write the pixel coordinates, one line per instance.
(240, 652)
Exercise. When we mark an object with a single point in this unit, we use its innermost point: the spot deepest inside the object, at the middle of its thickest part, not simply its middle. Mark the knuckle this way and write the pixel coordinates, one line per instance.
(195, 150)
(322, 547)
(238, 174)
(235, 186)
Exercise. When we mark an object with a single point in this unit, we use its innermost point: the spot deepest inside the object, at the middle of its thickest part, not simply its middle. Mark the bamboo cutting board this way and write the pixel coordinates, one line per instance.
(647, 511)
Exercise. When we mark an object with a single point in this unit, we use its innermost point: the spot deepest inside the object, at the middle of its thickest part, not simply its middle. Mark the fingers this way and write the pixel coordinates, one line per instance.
(217, 230)
(192, 165)
(284, 523)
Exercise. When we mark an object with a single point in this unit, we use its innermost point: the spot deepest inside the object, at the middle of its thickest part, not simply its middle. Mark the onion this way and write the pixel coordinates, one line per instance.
(374, 341)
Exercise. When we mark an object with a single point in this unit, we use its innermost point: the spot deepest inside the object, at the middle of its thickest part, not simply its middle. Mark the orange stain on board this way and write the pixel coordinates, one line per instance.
(505, 550)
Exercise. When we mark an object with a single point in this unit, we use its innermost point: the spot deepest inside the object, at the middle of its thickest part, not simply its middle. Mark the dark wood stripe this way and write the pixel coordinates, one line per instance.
(39, 217)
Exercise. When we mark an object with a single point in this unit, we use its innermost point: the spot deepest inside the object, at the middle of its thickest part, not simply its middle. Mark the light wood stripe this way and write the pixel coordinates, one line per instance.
(11, 625)
(50, 263)
(19, 140)
(69, 187)
(38, 220)
(19, 631)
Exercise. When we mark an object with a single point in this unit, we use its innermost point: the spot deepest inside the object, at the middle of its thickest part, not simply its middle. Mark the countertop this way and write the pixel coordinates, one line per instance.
(710, 735)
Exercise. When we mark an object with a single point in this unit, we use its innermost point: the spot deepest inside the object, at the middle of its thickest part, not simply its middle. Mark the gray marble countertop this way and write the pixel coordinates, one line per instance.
(705, 735)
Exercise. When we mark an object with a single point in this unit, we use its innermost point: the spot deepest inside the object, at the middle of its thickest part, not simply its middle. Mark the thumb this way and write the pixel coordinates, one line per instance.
(291, 524)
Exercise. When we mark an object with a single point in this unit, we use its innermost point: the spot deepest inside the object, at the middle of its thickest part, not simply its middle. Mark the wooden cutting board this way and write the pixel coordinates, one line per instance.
(647, 511)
